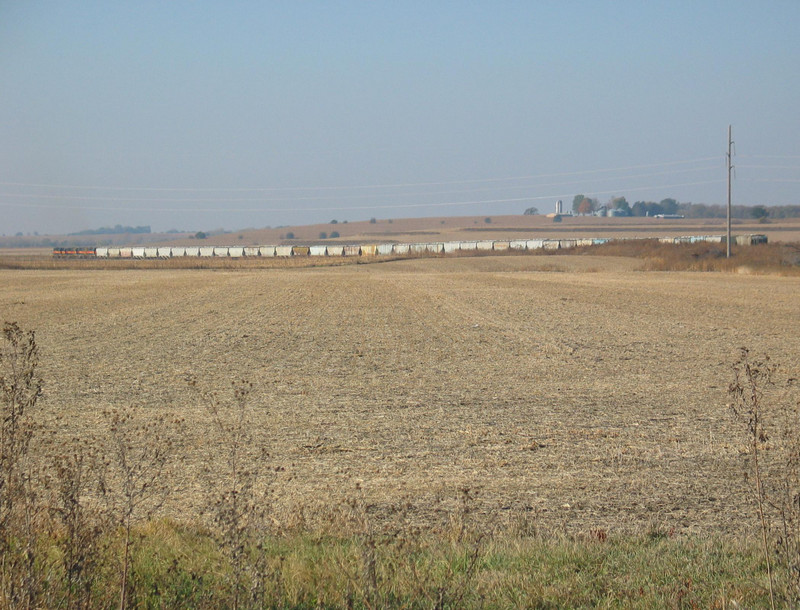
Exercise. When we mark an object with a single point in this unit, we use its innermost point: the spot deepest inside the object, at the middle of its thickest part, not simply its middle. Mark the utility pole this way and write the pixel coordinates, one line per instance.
(730, 167)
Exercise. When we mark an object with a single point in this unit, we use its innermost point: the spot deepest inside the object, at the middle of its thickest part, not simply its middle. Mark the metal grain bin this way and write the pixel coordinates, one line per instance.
(206, 251)
(101, 252)
(335, 250)
(468, 245)
(535, 244)
(517, 244)
(283, 250)
(369, 250)
(300, 250)
(318, 250)
(501, 245)
(485, 245)
(352, 250)
(267, 250)
(137, 252)
(384, 249)
(192, 251)
(401, 248)
(235, 252)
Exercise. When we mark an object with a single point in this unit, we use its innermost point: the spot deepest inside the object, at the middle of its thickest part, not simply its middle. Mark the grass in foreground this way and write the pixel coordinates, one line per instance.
(179, 565)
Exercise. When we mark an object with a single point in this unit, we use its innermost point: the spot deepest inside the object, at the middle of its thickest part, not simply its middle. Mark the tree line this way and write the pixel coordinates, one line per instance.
(619, 206)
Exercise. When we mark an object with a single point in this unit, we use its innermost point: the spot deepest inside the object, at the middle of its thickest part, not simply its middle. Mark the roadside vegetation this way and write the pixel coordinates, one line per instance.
(82, 523)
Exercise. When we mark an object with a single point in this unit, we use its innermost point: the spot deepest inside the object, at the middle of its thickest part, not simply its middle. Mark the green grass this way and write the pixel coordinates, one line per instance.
(177, 565)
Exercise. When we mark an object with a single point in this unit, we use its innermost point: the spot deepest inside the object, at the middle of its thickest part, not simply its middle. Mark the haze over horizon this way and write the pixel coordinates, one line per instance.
(195, 115)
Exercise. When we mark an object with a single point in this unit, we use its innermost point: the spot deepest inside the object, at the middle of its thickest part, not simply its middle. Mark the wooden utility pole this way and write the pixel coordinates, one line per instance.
(730, 167)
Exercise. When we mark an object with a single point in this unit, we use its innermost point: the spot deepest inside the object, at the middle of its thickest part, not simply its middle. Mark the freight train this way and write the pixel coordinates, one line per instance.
(395, 249)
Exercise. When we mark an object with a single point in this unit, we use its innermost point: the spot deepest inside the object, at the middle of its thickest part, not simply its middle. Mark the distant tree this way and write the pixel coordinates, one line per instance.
(372, 221)
(334, 234)
(323, 235)
(557, 218)
(334, 222)
(487, 220)
(576, 202)
(531, 211)
(290, 235)
(759, 212)
(200, 235)
(669, 206)
(621, 204)
(585, 206)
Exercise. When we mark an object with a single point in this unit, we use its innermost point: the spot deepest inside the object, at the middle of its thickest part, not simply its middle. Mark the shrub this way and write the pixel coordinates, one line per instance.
(372, 221)
(323, 235)
(334, 234)
(487, 220)
(290, 235)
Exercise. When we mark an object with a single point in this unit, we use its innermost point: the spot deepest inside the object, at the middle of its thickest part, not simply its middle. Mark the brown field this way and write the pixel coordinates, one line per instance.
(573, 389)
(502, 227)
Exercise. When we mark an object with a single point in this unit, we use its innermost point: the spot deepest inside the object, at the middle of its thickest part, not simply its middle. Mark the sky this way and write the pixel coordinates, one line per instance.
(200, 115)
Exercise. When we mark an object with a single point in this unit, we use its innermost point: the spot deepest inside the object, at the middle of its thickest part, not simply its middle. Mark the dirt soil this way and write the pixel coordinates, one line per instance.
(574, 390)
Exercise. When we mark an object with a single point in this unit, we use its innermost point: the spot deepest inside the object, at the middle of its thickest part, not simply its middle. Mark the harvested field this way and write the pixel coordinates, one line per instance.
(573, 389)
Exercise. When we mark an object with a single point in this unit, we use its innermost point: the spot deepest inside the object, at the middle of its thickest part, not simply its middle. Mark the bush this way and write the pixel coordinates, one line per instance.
(334, 222)
(200, 235)
(290, 235)
(372, 221)
(334, 234)
(323, 235)
(487, 220)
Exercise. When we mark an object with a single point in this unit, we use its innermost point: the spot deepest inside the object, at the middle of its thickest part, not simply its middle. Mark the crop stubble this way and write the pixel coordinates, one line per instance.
(576, 390)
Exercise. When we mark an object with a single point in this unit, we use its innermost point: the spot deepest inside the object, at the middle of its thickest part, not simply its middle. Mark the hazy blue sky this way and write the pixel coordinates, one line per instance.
(246, 114)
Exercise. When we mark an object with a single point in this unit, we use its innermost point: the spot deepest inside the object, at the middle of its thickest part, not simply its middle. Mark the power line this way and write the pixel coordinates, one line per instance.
(354, 187)
(330, 197)
(347, 208)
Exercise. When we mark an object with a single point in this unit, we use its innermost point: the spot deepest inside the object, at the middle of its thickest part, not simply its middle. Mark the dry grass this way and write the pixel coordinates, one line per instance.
(562, 387)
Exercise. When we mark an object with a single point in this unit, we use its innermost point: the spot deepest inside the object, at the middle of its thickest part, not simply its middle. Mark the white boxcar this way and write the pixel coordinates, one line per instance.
(436, 248)
(206, 250)
(517, 244)
(267, 250)
(584, 242)
(192, 251)
(418, 248)
(451, 246)
(369, 250)
(283, 250)
(468, 245)
(535, 244)
(114, 252)
(401, 248)
(177, 251)
(551, 244)
(220, 251)
(151, 252)
(384, 249)
(251, 250)
(318, 250)
(236, 251)
(352, 250)
(164, 252)
(485, 245)
(568, 243)
(137, 252)
(501, 245)
(101, 252)
(335, 250)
